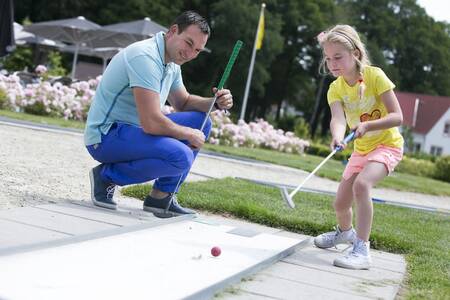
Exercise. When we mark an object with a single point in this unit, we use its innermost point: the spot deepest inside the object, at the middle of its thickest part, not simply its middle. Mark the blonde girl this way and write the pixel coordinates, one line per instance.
(361, 97)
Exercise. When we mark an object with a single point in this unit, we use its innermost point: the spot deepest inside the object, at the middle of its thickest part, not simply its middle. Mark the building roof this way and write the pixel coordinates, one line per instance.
(430, 110)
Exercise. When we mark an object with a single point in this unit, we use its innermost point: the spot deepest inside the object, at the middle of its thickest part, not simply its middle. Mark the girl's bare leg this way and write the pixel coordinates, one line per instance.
(372, 173)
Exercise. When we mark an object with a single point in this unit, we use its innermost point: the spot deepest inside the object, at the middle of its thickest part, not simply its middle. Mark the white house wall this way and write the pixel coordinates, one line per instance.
(419, 139)
(436, 136)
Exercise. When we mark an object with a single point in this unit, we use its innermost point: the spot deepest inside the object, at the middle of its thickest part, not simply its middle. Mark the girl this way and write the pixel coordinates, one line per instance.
(362, 96)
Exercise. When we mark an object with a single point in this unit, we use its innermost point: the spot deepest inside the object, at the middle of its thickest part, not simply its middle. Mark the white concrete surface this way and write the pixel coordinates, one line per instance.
(165, 262)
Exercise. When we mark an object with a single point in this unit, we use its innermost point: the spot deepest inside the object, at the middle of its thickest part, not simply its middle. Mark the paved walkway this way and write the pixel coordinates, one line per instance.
(49, 166)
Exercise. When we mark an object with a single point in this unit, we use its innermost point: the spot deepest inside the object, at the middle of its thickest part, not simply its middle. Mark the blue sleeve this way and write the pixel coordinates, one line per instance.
(143, 71)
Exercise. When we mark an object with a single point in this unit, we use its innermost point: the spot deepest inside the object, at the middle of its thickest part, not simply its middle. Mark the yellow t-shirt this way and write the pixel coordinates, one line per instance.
(369, 108)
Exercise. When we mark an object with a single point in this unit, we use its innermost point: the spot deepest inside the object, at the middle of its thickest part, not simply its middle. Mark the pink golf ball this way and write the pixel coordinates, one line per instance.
(215, 251)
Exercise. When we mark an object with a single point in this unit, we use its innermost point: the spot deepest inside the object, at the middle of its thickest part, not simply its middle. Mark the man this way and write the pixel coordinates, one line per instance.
(126, 130)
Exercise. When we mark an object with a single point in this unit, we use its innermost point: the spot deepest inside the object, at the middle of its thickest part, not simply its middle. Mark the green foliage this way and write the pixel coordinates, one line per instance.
(324, 151)
(418, 167)
(393, 28)
(55, 66)
(60, 122)
(302, 129)
(408, 138)
(422, 155)
(38, 108)
(286, 123)
(442, 171)
(3, 99)
(318, 149)
(20, 59)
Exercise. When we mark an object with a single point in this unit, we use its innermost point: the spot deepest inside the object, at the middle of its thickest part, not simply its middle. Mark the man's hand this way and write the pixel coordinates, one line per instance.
(196, 138)
(224, 98)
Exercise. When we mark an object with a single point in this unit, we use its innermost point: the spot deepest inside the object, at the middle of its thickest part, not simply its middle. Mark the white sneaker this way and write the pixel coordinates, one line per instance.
(356, 259)
(333, 238)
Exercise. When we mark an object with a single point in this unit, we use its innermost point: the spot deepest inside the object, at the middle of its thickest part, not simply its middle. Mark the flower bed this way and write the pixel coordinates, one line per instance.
(44, 98)
(72, 102)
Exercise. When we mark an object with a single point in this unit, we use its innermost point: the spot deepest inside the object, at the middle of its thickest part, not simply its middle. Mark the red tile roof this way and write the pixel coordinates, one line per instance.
(430, 110)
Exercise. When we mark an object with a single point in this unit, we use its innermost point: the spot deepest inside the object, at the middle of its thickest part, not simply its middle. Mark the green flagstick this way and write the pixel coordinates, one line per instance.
(230, 64)
(225, 76)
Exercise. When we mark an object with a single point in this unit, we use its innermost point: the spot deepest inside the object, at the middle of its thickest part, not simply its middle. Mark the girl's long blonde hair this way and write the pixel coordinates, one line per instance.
(347, 36)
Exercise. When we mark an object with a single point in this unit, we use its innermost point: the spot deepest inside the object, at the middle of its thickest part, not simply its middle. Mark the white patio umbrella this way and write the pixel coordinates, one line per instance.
(73, 31)
(123, 34)
(22, 37)
(104, 53)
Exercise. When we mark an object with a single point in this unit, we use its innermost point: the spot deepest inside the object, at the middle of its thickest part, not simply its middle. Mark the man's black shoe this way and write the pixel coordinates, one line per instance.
(155, 205)
(101, 192)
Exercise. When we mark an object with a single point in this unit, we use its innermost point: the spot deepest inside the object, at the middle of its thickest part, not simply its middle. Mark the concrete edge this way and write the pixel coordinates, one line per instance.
(210, 291)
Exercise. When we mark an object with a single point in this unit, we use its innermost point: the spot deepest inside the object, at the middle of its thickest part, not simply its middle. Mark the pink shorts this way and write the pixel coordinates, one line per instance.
(389, 156)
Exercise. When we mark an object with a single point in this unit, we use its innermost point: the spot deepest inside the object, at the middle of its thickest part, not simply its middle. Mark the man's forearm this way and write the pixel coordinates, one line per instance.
(197, 103)
(164, 126)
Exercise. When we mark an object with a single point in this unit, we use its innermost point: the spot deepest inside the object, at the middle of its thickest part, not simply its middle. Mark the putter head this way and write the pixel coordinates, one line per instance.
(163, 215)
(286, 197)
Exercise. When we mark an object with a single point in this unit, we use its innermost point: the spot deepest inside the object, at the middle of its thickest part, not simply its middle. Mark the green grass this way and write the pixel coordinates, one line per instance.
(333, 169)
(423, 237)
(42, 120)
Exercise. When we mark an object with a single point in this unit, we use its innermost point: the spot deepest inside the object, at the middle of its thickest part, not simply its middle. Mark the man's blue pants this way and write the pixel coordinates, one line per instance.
(132, 156)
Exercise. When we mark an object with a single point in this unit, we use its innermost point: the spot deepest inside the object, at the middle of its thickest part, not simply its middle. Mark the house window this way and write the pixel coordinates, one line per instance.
(447, 128)
(417, 147)
(435, 150)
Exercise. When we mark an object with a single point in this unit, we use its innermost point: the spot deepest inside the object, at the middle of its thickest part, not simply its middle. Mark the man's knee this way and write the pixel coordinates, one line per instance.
(181, 157)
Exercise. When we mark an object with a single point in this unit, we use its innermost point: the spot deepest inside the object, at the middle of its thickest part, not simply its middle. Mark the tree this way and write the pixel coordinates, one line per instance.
(295, 70)
(233, 20)
(410, 46)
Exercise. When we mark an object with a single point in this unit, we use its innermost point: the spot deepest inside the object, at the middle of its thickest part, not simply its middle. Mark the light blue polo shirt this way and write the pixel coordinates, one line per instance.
(139, 65)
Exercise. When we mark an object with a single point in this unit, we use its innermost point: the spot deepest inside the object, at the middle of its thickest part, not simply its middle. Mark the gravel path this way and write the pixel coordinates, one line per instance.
(40, 165)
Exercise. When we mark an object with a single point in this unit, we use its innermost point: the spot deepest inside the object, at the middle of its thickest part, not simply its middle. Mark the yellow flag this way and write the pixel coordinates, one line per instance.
(260, 36)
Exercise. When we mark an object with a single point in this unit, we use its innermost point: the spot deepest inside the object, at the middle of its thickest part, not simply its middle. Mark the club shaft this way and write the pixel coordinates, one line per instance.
(209, 112)
(224, 78)
(312, 173)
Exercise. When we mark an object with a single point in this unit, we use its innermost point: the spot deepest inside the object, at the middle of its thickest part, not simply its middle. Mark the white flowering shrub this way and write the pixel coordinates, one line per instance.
(44, 98)
(72, 102)
(258, 134)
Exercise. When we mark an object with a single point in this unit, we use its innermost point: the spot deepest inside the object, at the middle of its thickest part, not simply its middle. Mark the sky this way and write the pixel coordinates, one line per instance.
(438, 9)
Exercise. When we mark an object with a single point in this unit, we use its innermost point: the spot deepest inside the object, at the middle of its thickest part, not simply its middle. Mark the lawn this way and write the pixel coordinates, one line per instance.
(333, 169)
(421, 236)
(42, 120)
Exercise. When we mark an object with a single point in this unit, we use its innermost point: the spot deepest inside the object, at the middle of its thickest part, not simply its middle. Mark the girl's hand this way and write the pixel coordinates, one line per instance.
(337, 143)
(361, 129)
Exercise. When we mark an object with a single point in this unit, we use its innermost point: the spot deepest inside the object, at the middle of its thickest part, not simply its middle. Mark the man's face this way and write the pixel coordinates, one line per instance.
(185, 46)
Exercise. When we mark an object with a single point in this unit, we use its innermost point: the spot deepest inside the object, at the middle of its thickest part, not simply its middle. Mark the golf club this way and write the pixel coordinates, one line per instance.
(284, 192)
(225, 75)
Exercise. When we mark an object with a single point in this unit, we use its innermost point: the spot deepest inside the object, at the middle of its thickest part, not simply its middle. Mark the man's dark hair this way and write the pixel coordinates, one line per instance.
(190, 17)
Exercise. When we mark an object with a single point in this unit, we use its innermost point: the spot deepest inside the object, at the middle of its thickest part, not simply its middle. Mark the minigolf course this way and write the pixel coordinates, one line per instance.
(73, 250)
